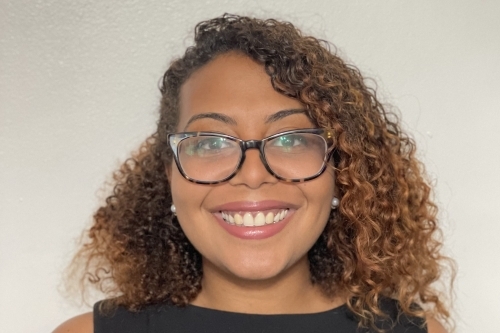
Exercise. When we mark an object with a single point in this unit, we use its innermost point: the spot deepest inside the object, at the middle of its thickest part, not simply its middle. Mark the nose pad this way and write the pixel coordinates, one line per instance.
(253, 171)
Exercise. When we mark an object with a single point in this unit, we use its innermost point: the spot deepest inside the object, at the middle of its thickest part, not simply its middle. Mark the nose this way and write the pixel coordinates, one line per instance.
(252, 172)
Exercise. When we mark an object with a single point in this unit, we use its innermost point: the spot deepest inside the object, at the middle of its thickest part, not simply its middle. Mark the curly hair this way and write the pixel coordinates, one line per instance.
(383, 241)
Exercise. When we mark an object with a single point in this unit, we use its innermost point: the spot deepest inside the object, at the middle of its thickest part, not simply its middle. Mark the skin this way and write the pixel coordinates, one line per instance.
(253, 276)
(241, 275)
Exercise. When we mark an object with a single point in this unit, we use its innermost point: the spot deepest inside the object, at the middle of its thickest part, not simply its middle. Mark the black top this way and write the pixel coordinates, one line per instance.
(193, 319)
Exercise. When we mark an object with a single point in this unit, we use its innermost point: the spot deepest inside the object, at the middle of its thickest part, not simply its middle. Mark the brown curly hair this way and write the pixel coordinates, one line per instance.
(382, 242)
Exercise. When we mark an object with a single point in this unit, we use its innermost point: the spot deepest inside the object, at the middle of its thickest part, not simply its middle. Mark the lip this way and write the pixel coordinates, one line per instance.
(253, 206)
(254, 233)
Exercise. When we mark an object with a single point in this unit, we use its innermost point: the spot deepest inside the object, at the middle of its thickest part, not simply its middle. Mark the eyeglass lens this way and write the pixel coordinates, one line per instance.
(290, 156)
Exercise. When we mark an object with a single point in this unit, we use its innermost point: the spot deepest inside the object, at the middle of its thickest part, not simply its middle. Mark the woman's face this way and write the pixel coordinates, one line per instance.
(240, 92)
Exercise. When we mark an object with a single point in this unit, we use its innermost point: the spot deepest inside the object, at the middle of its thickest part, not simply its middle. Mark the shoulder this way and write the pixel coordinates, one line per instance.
(392, 308)
(107, 319)
(79, 324)
(434, 326)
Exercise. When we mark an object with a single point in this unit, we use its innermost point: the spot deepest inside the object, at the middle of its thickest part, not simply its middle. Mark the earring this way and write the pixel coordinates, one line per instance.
(173, 209)
(335, 203)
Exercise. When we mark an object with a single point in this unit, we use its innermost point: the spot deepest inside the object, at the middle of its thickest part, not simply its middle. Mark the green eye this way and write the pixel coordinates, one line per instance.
(287, 142)
(215, 143)
(202, 146)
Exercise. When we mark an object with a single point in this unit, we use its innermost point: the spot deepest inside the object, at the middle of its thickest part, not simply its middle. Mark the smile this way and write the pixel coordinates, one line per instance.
(254, 219)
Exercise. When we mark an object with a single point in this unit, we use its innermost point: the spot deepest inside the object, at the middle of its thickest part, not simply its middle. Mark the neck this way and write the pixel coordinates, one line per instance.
(290, 292)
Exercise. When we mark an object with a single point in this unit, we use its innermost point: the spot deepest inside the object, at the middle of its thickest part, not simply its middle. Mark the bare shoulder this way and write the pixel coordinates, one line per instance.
(434, 326)
(83, 323)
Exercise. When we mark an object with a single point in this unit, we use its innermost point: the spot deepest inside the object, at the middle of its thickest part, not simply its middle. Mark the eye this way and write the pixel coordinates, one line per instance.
(202, 146)
(290, 141)
(212, 143)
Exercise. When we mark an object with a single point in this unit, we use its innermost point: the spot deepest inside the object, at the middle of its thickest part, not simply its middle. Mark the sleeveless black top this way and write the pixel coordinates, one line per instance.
(194, 319)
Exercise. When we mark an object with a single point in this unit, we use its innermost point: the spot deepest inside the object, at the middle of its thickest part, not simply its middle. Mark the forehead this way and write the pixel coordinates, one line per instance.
(235, 85)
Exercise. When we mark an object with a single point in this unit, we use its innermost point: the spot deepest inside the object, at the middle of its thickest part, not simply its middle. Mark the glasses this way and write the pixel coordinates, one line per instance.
(291, 156)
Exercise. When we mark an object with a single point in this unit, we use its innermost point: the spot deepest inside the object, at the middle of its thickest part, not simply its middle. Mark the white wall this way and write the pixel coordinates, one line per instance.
(78, 91)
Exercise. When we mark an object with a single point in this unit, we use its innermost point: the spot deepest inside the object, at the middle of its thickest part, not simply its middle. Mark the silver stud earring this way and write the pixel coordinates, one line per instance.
(173, 209)
(335, 203)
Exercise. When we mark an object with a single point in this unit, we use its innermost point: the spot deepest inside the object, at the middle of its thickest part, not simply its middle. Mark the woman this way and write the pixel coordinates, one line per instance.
(277, 195)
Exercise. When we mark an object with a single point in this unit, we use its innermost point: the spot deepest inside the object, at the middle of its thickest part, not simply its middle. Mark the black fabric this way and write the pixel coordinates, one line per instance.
(193, 319)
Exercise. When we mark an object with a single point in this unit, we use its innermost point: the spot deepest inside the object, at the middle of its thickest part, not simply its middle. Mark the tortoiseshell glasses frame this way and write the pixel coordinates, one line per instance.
(324, 135)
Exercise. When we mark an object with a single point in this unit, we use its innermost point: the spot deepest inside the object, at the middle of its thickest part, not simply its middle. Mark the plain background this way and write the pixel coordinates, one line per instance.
(78, 92)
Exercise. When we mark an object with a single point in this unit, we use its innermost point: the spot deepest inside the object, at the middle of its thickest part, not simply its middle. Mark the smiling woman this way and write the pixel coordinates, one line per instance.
(277, 195)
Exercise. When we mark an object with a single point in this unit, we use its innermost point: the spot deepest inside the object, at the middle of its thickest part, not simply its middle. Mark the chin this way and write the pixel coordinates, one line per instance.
(259, 270)
(255, 275)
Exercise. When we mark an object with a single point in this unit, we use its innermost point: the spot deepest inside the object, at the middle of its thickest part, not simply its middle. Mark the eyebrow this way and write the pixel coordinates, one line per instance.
(230, 121)
(212, 115)
(284, 113)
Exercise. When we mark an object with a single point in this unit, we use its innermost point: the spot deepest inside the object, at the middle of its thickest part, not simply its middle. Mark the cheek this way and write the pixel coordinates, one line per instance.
(320, 191)
(188, 198)
(185, 194)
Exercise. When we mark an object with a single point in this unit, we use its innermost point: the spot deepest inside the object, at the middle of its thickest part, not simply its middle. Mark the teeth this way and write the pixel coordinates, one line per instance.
(269, 218)
(248, 220)
(238, 219)
(259, 220)
(276, 218)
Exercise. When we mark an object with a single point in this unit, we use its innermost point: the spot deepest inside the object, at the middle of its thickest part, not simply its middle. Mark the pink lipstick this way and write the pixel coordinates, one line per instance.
(254, 220)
